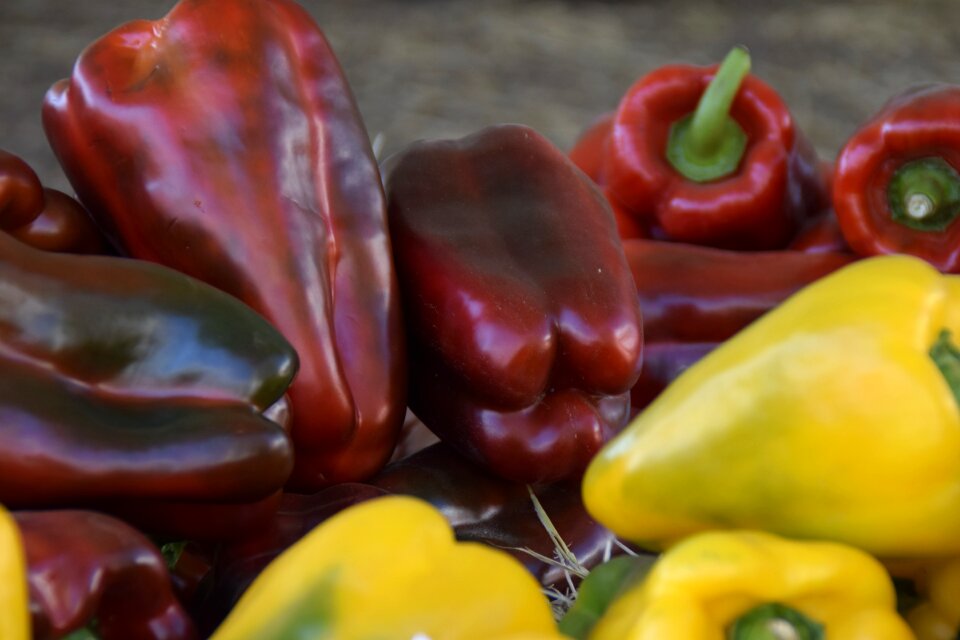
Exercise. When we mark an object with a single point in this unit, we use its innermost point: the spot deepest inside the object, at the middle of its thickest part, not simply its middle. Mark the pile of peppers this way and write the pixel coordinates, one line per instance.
(687, 381)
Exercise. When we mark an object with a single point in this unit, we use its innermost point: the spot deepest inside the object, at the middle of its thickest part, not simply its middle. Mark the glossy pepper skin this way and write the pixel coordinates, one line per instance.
(776, 185)
(15, 621)
(915, 125)
(111, 368)
(702, 586)
(85, 567)
(43, 218)
(937, 617)
(523, 324)
(686, 315)
(827, 418)
(231, 127)
(390, 568)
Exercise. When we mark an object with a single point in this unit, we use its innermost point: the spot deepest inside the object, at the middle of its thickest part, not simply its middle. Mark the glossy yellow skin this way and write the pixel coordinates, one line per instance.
(390, 569)
(702, 585)
(938, 616)
(825, 419)
(14, 599)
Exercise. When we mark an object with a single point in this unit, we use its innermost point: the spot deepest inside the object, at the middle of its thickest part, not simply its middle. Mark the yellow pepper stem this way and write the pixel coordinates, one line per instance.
(773, 621)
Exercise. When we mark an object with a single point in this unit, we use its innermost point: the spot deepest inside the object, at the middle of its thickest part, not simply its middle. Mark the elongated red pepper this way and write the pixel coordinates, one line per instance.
(685, 314)
(709, 155)
(223, 141)
(86, 568)
(896, 184)
(523, 320)
(43, 218)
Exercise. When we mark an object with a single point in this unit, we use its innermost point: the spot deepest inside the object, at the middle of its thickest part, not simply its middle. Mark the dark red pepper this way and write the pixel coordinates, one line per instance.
(222, 140)
(85, 568)
(709, 155)
(523, 322)
(896, 184)
(694, 298)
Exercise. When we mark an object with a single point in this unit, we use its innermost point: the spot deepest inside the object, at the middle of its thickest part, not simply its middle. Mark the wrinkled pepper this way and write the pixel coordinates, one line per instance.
(834, 416)
(43, 218)
(14, 603)
(706, 155)
(937, 616)
(896, 187)
(111, 368)
(685, 315)
(390, 568)
(746, 585)
(88, 569)
(223, 141)
(524, 329)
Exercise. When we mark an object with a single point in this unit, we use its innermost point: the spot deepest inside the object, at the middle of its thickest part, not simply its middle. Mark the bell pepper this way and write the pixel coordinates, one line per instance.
(223, 141)
(937, 616)
(747, 585)
(390, 568)
(685, 316)
(833, 416)
(43, 218)
(15, 619)
(87, 568)
(710, 155)
(896, 187)
(524, 330)
(110, 368)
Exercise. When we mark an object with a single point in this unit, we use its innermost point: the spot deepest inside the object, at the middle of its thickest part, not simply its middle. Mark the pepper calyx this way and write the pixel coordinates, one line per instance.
(924, 194)
(775, 621)
(709, 144)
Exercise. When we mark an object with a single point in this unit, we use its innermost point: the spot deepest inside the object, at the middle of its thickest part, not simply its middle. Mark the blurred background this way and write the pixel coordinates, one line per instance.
(434, 68)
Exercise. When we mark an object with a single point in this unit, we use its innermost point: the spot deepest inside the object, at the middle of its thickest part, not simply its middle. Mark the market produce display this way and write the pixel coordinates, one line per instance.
(688, 379)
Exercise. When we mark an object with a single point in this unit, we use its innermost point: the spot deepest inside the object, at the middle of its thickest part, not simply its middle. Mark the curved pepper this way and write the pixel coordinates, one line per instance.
(390, 568)
(896, 186)
(937, 616)
(775, 181)
(755, 586)
(831, 417)
(21, 194)
(523, 323)
(15, 617)
(685, 315)
(87, 568)
(222, 140)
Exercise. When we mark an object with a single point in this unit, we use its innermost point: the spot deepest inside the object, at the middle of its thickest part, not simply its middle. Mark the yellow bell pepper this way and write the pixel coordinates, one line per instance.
(937, 617)
(390, 569)
(14, 602)
(744, 585)
(828, 418)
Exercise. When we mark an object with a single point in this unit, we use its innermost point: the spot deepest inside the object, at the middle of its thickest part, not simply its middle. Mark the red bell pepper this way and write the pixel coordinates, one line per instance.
(685, 314)
(709, 155)
(523, 322)
(85, 568)
(222, 140)
(43, 218)
(896, 185)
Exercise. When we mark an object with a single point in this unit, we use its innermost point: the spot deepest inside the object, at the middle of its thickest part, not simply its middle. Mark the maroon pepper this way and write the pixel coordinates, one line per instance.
(523, 323)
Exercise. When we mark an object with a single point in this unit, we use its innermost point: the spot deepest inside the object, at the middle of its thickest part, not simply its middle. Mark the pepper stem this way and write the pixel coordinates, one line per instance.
(774, 621)
(709, 144)
(925, 194)
(947, 358)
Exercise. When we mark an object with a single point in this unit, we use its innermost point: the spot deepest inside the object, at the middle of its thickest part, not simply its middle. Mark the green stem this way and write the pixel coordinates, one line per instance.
(709, 144)
(773, 621)
(925, 194)
(947, 358)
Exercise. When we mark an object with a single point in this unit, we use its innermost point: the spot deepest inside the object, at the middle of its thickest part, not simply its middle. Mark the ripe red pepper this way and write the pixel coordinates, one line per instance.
(85, 568)
(222, 140)
(43, 218)
(685, 314)
(896, 184)
(523, 323)
(709, 155)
